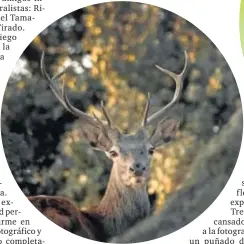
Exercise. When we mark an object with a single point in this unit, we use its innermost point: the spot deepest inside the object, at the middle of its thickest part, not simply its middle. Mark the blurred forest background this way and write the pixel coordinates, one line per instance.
(112, 49)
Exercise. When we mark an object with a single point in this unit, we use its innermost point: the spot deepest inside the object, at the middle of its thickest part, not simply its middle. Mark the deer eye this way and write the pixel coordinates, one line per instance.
(113, 154)
(151, 150)
(167, 139)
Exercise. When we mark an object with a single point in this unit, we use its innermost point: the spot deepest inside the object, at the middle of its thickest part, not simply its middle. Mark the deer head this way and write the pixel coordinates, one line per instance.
(131, 153)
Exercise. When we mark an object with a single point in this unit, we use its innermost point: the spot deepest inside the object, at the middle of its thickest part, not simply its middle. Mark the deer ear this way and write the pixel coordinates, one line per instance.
(164, 132)
(99, 137)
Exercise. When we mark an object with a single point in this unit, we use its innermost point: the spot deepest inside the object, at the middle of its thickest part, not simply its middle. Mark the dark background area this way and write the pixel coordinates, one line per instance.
(112, 49)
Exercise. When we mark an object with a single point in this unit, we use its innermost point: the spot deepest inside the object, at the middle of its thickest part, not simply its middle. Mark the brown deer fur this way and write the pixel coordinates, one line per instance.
(119, 209)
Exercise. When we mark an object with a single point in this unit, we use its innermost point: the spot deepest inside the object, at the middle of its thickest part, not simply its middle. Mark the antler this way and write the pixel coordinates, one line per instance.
(179, 85)
(63, 98)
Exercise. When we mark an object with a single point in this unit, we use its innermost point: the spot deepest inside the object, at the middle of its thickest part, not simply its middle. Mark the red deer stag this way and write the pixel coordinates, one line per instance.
(126, 200)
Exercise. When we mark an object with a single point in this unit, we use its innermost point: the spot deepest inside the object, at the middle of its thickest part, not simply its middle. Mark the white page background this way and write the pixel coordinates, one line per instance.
(219, 20)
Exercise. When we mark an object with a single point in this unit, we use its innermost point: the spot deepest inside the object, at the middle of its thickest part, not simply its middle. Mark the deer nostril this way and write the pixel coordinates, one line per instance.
(144, 168)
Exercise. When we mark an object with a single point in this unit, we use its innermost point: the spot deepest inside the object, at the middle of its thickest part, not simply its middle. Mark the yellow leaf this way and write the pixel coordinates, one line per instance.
(131, 57)
(21, 85)
(82, 179)
(96, 31)
(83, 87)
(102, 65)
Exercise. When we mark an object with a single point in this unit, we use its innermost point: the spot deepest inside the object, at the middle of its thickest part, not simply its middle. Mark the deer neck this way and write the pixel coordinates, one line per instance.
(121, 206)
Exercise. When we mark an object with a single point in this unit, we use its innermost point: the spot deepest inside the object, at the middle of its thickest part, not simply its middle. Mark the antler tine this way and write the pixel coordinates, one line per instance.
(73, 109)
(63, 99)
(81, 114)
(98, 120)
(50, 80)
(179, 85)
(110, 123)
(145, 115)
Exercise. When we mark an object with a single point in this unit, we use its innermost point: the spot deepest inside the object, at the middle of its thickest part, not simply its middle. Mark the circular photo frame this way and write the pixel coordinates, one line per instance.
(117, 122)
